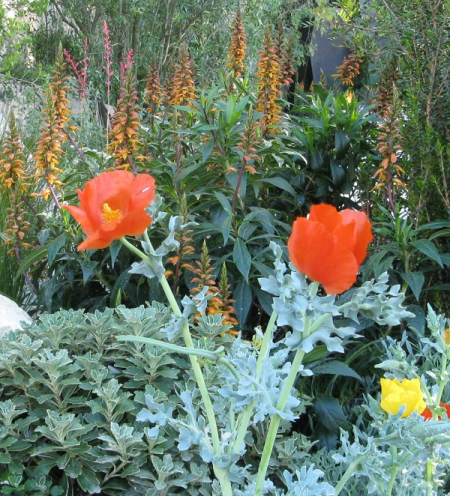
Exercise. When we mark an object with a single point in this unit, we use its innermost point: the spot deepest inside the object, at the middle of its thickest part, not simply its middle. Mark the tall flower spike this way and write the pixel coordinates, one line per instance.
(59, 89)
(16, 226)
(389, 175)
(349, 70)
(81, 74)
(185, 249)
(12, 175)
(183, 88)
(269, 82)
(203, 272)
(238, 45)
(284, 48)
(223, 303)
(153, 90)
(48, 149)
(124, 135)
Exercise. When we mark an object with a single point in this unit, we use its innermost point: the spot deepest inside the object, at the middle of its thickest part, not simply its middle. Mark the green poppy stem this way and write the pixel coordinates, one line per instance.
(351, 469)
(246, 416)
(281, 404)
(220, 472)
(430, 478)
(395, 467)
(442, 383)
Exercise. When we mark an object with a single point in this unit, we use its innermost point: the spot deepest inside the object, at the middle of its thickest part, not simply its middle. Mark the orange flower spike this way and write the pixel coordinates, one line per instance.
(112, 205)
(330, 246)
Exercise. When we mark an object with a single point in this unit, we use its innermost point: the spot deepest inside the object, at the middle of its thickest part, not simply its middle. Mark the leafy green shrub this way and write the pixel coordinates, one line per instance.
(74, 407)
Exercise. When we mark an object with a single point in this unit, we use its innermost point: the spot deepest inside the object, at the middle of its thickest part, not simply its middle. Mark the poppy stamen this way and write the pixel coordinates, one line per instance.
(110, 215)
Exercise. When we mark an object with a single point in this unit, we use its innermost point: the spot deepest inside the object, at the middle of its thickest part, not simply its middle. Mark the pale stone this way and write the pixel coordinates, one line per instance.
(11, 315)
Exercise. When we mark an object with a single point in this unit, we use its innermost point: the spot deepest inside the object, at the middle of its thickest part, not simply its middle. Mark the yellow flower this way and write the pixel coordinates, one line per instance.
(394, 394)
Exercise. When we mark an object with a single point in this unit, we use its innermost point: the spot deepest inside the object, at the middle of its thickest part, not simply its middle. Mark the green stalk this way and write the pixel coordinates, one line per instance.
(221, 473)
(182, 350)
(430, 478)
(394, 471)
(276, 419)
(348, 473)
(441, 382)
(246, 415)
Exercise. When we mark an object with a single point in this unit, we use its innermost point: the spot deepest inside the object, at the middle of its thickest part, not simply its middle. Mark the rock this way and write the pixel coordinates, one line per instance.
(11, 315)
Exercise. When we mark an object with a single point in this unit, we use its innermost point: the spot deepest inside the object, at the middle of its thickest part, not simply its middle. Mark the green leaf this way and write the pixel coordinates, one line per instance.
(429, 249)
(330, 414)
(243, 297)
(317, 353)
(88, 267)
(242, 257)
(337, 173)
(281, 183)
(335, 367)
(223, 200)
(114, 249)
(316, 160)
(439, 234)
(118, 288)
(341, 142)
(225, 228)
(89, 482)
(445, 257)
(415, 281)
(207, 149)
(242, 103)
(230, 108)
(30, 260)
(418, 321)
(439, 224)
(54, 246)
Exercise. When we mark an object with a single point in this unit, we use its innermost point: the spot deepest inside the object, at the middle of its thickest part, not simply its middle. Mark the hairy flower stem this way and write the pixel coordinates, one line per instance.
(348, 473)
(395, 467)
(430, 478)
(248, 412)
(442, 382)
(182, 350)
(220, 472)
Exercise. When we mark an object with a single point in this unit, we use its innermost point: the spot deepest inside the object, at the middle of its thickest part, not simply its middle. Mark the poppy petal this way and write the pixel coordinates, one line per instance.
(81, 217)
(143, 192)
(112, 205)
(363, 234)
(321, 256)
(326, 215)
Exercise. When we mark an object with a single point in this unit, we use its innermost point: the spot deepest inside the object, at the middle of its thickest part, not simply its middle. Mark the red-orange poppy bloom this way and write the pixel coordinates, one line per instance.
(427, 415)
(329, 246)
(112, 205)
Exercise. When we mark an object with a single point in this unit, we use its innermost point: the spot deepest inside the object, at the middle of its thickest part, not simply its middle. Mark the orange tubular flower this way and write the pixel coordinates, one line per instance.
(427, 415)
(330, 246)
(112, 205)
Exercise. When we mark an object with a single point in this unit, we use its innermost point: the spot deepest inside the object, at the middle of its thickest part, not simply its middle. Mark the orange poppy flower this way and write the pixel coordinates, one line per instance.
(427, 415)
(329, 246)
(112, 205)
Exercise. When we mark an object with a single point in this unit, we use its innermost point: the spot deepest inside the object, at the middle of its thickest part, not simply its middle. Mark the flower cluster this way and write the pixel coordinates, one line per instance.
(153, 90)
(124, 134)
(349, 70)
(238, 45)
(270, 78)
(182, 89)
(12, 175)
